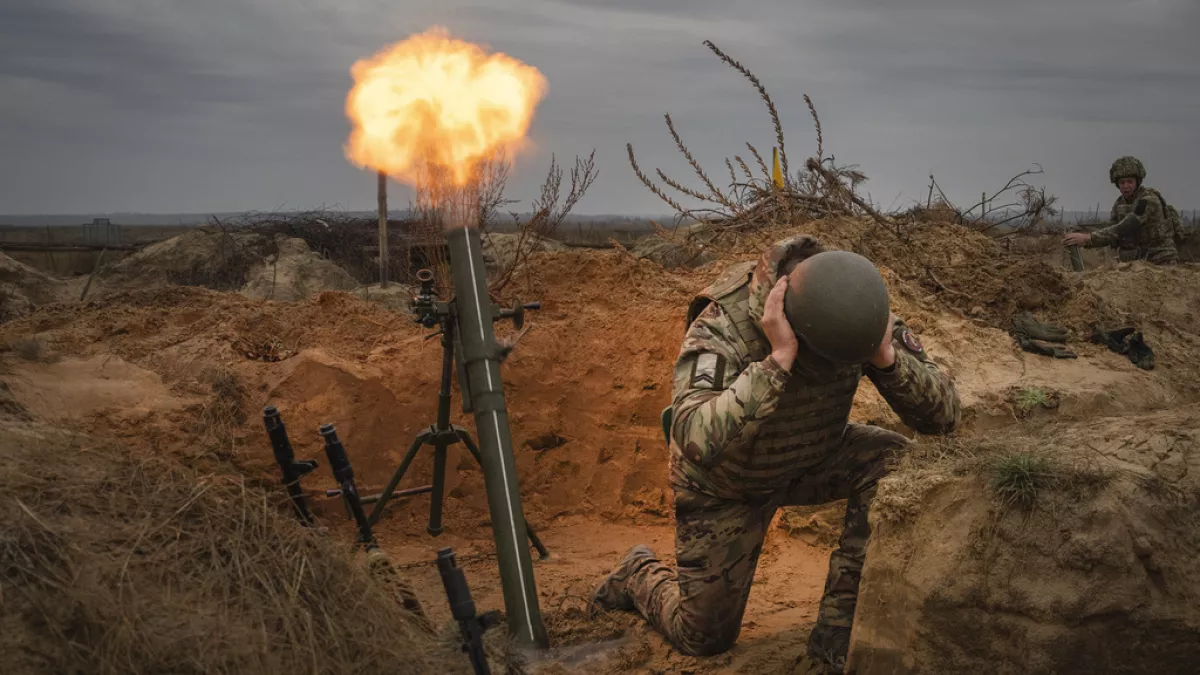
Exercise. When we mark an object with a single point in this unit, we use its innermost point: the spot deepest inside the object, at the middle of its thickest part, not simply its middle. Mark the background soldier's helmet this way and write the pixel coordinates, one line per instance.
(841, 309)
(1127, 167)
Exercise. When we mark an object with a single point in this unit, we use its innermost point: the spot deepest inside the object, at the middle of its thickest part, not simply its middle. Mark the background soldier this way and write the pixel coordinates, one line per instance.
(1141, 229)
(762, 394)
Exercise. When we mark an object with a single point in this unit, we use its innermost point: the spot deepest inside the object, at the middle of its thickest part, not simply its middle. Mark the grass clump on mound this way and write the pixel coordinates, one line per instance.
(110, 564)
(1028, 399)
(1017, 478)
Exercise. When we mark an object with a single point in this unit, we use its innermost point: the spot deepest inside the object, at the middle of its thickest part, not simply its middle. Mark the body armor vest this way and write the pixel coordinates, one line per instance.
(1154, 241)
(813, 410)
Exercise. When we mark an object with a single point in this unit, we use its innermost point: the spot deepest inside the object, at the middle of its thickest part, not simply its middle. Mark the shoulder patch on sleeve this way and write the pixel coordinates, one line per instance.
(1140, 209)
(910, 341)
(708, 372)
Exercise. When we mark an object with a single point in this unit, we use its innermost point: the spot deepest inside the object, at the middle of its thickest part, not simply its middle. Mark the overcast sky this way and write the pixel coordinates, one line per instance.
(229, 105)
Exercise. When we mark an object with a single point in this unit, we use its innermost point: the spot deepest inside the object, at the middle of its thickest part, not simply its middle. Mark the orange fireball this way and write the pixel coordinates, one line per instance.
(435, 101)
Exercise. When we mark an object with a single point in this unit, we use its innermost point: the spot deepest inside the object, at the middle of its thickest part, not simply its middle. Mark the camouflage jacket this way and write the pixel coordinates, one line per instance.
(743, 427)
(1140, 229)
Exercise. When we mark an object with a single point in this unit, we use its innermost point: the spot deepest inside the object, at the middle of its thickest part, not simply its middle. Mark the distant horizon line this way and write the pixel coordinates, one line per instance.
(151, 218)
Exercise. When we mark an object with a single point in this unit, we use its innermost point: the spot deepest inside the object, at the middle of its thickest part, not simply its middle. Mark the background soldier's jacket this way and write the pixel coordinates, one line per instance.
(1140, 229)
(745, 428)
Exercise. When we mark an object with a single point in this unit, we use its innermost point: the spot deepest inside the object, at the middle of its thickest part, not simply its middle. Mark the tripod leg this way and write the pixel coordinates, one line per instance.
(533, 538)
(386, 495)
(537, 543)
(439, 489)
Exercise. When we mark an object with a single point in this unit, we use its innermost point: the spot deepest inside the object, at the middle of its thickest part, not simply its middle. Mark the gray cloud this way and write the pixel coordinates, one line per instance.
(238, 104)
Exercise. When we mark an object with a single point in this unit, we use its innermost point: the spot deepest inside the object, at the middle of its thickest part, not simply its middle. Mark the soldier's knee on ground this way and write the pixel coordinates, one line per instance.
(707, 640)
(885, 449)
(895, 444)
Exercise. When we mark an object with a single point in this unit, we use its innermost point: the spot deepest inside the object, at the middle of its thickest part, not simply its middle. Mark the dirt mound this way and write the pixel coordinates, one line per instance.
(396, 297)
(673, 254)
(115, 564)
(587, 433)
(1068, 550)
(967, 271)
(1145, 295)
(501, 248)
(23, 289)
(294, 273)
(587, 436)
(183, 372)
(207, 256)
(260, 265)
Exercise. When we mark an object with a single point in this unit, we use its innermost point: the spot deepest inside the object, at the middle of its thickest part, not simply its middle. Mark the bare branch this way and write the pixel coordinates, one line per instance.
(762, 91)
(548, 213)
(650, 185)
(817, 123)
(716, 194)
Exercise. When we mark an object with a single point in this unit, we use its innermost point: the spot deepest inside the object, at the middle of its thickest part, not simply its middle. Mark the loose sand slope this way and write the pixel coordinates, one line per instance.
(182, 373)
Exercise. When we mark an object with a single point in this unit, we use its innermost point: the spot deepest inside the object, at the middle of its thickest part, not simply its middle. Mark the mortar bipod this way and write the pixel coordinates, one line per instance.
(441, 436)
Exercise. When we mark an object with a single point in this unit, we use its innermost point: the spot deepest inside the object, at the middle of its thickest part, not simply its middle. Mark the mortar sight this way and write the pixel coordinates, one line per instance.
(425, 305)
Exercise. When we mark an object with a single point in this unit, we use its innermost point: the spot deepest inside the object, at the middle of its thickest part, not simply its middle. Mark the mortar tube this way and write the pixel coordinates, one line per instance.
(1076, 255)
(482, 364)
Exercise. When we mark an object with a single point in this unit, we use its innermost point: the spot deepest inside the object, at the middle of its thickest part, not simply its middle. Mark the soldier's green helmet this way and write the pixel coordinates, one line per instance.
(1127, 167)
(840, 310)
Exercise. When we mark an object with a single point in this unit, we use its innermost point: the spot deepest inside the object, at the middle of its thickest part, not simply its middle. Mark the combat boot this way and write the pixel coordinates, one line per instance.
(613, 593)
(805, 665)
(827, 648)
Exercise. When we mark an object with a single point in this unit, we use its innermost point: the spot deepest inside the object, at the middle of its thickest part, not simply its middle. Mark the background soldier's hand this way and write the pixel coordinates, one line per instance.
(885, 356)
(1076, 239)
(784, 344)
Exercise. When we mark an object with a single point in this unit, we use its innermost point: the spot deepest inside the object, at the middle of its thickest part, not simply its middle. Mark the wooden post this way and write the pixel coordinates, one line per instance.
(383, 234)
(88, 285)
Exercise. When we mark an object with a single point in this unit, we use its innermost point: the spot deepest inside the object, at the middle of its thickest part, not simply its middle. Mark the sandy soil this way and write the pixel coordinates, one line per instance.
(584, 390)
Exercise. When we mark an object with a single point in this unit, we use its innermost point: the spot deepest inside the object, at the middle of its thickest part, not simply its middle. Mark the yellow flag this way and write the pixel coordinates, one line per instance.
(776, 171)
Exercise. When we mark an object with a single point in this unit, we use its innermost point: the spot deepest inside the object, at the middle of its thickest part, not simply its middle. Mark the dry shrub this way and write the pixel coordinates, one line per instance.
(30, 349)
(753, 200)
(939, 247)
(111, 564)
(224, 412)
(439, 202)
(227, 270)
(549, 210)
(351, 242)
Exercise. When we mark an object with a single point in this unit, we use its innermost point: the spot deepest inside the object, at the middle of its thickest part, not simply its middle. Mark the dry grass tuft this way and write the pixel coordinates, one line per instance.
(31, 349)
(224, 413)
(1019, 471)
(1017, 478)
(115, 565)
(1026, 478)
(1031, 397)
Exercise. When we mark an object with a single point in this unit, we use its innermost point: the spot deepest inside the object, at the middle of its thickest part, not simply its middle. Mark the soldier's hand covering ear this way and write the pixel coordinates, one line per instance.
(886, 356)
(780, 334)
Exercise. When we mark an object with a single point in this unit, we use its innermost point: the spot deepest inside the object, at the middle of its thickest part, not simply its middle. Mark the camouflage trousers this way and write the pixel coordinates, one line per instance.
(699, 605)
(1164, 254)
